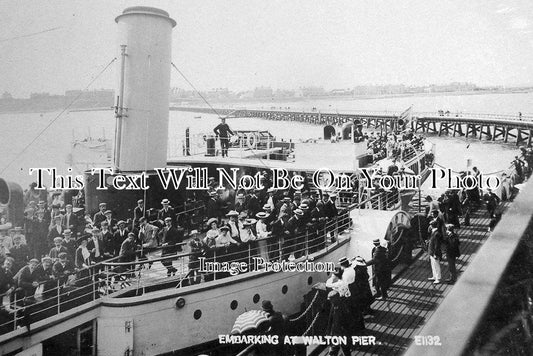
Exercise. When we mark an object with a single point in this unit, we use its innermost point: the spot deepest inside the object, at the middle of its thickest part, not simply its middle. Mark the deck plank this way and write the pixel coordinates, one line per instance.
(413, 299)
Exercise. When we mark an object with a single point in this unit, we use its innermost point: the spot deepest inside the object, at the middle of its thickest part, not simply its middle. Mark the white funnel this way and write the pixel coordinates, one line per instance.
(142, 115)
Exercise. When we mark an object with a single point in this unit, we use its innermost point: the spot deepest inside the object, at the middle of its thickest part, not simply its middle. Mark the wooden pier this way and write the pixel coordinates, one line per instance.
(413, 298)
(491, 127)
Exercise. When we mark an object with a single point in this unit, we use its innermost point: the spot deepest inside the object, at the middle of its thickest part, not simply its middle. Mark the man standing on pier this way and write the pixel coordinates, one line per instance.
(223, 131)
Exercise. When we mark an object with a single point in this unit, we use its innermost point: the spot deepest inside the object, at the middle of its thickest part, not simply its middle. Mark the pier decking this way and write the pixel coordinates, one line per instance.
(413, 299)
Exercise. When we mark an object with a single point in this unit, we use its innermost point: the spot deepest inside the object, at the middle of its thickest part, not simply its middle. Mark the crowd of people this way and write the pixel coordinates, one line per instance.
(57, 241)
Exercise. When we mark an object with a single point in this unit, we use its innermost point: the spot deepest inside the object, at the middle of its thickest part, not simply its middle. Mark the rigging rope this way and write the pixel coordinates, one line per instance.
(58, 116)
(212, 108)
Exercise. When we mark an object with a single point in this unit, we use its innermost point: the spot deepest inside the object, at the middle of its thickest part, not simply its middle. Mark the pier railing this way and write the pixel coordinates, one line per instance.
(489, 311)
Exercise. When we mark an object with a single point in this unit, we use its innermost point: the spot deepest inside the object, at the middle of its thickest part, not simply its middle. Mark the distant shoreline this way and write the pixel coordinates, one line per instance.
(195, 101)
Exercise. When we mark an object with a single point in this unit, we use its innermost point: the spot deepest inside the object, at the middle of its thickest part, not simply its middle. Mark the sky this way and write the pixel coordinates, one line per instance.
(57, 45)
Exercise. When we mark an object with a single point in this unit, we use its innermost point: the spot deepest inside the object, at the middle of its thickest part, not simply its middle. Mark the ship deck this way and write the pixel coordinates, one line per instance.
(338, 156)
(413, 299)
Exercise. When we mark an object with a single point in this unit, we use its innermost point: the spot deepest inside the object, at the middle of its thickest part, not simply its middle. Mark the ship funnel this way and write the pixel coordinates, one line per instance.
(143, 102)
(12, 197)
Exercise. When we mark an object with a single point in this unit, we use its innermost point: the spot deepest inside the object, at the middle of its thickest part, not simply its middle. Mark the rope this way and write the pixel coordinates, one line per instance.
(30, 34)
(312, 323)
(58, 116)
(306, 310)
(212, 108)
(196, 90)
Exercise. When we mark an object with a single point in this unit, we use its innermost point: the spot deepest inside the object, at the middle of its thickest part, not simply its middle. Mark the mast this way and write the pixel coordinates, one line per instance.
(120, 105)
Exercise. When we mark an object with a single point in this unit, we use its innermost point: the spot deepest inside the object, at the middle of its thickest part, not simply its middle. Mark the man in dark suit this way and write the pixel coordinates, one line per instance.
(70, 220)
(166, 211)
(62, 268)
(107, 239)
(38, 243)
(381, 270)
(55, 231)
(95, 245)
(26, 280)
(111, 222)
(293, 234)
(223, 132)
(138, 213)
(170, 237)
(213, 206)
(100, 215)
(118, 237)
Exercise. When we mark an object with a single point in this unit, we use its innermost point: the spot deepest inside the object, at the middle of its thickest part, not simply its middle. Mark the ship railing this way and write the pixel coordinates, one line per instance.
(52, 297)
(148, 270)
(148, 274)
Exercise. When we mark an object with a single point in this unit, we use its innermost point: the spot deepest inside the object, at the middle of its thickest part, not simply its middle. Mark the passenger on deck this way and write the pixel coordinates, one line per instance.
(57, 249)
(7, 283)
(224, 238)
(170, 237)
(100, 215)
(233, 224)
(55, 231)
(223, 132)
(26, 280)
(62, 268)
(70, 244)
(197, 251)
(95, 245)
(166, 211)
(263, 235)
(381, 270)
(434, 252)
(83, 256)
(341, 323)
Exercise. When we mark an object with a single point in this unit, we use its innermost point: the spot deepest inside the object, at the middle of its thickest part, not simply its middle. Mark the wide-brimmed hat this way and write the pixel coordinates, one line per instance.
(303, 206)
(376, 242)
(121, 222)
(67, 232)
(58, 239)
(267, 207)
(343, 261)
(299, 212)
(249, 222)
(261, 215)
(224, 227)
(359, 261)
(240, 196)
(165, 201)
(168, 218)
(287, 199)
(108, 212)
(232, 213)
(140, 201)
(212, 220)
(102, 204)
